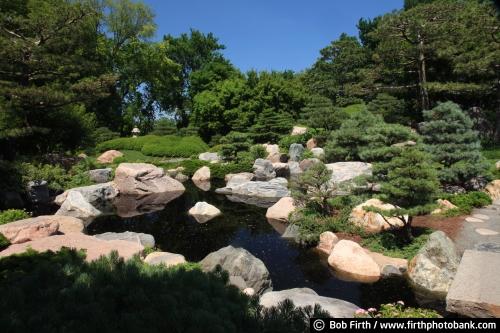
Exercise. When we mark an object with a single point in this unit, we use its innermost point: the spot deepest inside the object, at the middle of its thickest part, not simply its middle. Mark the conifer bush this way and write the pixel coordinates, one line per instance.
(448, 136)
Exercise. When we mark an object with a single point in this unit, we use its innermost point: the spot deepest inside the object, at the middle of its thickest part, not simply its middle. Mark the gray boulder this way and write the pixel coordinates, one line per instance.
(294, 168)
(432, 270)
(302, 297)
(145, 240)
(263, 169)
(343, 172)
(100, 175)
(240, 262)
(296, 150)
(210, 157)
(38, 191)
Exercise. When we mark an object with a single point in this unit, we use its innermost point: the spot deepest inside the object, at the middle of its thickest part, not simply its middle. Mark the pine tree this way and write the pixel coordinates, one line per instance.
(389, 107)
(271, 125)
(449, 138)
(320, 113)
(411, 185)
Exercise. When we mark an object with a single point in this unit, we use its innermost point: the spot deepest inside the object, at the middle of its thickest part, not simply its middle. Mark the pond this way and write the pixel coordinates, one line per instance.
(245, 225)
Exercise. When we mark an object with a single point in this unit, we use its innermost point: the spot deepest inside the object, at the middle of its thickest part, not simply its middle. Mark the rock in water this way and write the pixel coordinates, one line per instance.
(204, 212)
(351, 262)
(240, 262)
(263, 169)
(109, 156)
(302, 297)
(145, 240)
(143, 178)
(296, 150)
(432, 270)
(281, 210)
(327, 241)
(201, 175)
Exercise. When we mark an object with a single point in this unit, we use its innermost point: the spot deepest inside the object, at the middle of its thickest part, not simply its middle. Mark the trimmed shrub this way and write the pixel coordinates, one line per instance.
(103, 134)
(467, 201)
(162, 146)
(11, 215)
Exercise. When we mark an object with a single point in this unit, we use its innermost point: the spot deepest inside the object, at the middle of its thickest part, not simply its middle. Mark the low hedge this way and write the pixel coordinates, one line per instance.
(162, 146)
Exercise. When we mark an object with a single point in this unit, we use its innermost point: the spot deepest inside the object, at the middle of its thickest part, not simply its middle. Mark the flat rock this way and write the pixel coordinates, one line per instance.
(164, 258)
(233, 179)
(351, 262)
(240, 262)
(272, 190)
(67, 224)
(94, 247)
(473, 220)
(302, 297)
(474, 291)
(281, 210)
(22, 231)
(481, 216)
(146, 240)
(204, 212)
(109, 156)
(486, 232)
(346, 171)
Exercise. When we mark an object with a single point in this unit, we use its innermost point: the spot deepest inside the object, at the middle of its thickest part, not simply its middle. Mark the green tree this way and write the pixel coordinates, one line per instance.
(338, 71)
(320, 113)
(411, 185)
(164, 126)
(389, 107)
(449, 138)
(271, 124)
(313, 188)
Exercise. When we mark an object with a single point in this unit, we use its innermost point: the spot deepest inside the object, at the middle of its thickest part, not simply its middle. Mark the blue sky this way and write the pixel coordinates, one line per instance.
(272, 34)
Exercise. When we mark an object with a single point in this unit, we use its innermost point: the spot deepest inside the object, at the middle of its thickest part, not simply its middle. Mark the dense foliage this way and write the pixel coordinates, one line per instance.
(11, 215)
(113, 295)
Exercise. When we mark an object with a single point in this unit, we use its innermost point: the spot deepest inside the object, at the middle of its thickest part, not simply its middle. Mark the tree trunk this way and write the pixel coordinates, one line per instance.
(497, 116)
(422, 74)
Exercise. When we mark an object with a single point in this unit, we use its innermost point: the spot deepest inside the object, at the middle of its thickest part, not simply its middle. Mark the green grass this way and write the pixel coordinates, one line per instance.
(160, 146)
(391, 245)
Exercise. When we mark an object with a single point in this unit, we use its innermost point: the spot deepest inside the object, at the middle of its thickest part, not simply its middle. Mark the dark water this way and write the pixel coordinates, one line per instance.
(243, 225)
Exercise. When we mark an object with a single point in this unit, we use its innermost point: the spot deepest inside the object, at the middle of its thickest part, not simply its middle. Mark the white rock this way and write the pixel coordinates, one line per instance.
(202, 174)
(204, 212)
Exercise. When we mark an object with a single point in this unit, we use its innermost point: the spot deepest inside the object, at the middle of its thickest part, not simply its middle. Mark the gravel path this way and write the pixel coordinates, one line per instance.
(481, 230)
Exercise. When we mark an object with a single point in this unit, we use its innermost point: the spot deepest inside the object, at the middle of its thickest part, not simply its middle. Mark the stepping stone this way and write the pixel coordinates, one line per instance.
(481, 216)
(488, 247)
(474, 291)
(473, 220)
(486, 232)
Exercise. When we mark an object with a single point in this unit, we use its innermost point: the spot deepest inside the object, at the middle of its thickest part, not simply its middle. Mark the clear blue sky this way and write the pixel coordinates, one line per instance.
(272, 34)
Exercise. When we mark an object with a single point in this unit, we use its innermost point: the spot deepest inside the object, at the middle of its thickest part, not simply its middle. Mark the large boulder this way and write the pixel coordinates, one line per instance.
(343, 172)
(299, 130)
(281, 210)
(204, 212)
(493, 189)
(432, 270)
(294, 168)
(295, 152)
(145, 240)
(93, 247)
(142, 179)
(88, 202)
(29, 229)
(100, 175)
(351, 262)
(164, 258)
(474, 291)
(389, 267)
(240, 262)
(318, 152)
(263, 169)
(373, 222)
(210, 157)
(327, 241)
(201, 175)
(109, 156)
(265, 193)
(302, 297)
(307, 163)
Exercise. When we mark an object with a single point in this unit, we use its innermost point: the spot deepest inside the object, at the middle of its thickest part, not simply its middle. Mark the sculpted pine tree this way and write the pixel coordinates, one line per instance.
(411, 185)
(449, 138)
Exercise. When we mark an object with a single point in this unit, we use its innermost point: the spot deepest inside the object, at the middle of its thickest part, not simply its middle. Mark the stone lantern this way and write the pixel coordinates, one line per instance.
(135, 132)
